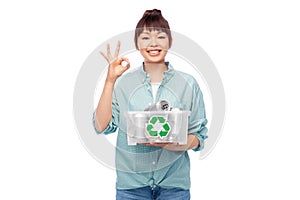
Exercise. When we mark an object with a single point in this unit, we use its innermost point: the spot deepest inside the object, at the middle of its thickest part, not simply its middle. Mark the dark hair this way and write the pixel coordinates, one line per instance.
(152, 20)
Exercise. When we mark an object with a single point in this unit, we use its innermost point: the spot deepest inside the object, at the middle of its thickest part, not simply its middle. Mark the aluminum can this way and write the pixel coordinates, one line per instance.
(161, 105)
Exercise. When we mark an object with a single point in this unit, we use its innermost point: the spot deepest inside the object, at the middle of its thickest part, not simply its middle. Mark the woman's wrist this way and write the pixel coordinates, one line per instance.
(193, 141)
(110, 81)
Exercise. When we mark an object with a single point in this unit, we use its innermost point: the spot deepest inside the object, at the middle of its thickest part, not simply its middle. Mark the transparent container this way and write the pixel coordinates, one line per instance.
(157, 126)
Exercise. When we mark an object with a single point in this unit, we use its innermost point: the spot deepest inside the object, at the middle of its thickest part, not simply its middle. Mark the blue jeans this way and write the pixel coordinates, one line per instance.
(153, 193)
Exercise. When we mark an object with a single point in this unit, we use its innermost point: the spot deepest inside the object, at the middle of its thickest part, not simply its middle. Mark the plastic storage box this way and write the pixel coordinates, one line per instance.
(157, 126)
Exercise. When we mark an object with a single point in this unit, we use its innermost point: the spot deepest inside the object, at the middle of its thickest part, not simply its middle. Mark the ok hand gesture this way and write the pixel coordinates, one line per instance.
(117, 66)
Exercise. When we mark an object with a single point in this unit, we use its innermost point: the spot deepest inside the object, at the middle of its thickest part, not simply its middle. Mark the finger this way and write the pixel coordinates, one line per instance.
(124, 69)
(117, 50)
(125, 59)
(104, 56)
(125, 62)
(108, 52)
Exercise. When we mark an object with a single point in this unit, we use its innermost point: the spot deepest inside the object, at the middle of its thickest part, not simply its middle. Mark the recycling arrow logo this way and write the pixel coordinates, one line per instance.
(158, 126)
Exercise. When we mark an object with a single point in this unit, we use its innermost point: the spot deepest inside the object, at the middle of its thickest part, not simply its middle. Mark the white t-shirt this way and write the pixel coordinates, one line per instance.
(155, 87)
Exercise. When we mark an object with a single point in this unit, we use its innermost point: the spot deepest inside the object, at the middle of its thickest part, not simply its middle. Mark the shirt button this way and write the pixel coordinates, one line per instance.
(153, 163)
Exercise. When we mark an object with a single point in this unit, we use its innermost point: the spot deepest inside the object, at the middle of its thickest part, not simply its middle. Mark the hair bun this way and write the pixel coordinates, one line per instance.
(152, 12)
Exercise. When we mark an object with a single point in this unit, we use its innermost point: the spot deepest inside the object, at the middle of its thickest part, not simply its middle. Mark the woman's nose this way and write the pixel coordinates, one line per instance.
(153, 42)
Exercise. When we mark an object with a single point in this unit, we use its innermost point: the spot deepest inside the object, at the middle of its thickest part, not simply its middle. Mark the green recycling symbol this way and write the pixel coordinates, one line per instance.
(158, 126)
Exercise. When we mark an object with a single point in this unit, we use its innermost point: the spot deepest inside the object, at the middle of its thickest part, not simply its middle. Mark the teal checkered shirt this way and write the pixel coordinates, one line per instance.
(140, 165)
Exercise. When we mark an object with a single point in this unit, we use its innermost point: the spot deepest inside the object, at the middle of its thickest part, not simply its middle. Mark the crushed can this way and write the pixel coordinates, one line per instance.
(161, 105)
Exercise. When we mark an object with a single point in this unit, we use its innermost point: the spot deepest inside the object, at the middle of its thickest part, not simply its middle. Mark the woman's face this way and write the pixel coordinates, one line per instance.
(153, 45)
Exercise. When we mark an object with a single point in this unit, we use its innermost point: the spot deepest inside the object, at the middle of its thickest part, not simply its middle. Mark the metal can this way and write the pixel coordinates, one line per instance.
(161, 105)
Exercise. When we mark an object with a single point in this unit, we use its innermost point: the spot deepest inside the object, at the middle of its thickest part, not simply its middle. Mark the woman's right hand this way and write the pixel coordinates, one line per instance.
(117, 66)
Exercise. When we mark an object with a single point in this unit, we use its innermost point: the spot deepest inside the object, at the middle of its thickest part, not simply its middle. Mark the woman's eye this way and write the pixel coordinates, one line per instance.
(145, 38)
(161, 37)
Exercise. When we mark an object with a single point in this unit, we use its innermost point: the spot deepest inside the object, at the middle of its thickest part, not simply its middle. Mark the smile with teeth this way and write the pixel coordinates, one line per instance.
(154, 52)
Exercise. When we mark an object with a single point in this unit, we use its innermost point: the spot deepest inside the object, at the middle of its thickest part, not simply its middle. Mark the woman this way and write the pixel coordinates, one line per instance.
(152, 170)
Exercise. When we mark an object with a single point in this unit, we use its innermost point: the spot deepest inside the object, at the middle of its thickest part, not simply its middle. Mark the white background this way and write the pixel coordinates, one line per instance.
(254, 45)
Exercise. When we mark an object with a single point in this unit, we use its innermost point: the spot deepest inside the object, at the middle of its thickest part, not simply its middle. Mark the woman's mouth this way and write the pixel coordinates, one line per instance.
(154, 52)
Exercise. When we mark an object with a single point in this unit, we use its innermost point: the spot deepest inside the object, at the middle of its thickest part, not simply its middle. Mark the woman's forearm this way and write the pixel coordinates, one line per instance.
(103, 112)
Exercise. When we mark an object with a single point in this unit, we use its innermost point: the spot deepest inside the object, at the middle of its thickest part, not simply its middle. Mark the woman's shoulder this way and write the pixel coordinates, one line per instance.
(186, 76)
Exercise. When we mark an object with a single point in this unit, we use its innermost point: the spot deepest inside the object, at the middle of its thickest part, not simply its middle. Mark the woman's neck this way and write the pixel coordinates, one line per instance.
(155, 70)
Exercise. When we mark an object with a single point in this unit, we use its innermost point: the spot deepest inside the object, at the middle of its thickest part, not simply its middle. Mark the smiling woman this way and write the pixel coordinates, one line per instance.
(164, 166)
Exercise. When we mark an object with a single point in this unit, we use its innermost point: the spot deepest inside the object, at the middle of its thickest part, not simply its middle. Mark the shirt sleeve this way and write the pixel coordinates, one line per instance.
(198, 121)
(114, 122)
